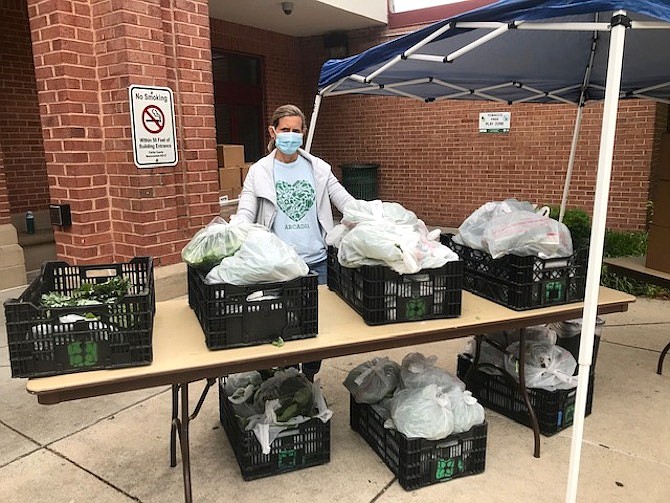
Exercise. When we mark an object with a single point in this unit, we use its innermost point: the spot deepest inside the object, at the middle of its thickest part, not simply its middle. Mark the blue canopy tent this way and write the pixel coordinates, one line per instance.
(523, 51)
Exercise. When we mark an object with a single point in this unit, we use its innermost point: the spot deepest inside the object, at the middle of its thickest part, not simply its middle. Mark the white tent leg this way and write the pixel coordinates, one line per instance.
(312, 122)
(571, 162)
(608, 130)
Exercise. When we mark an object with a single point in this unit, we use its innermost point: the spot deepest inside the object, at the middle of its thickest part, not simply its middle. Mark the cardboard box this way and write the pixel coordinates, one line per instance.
(662, 203)
(664, 164)
(229, 178)
(245, 170)
(230, 155)
(658, 248)
(229, 194)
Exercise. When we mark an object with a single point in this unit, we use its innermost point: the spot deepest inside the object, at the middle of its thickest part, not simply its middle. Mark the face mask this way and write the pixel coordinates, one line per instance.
(288, 143)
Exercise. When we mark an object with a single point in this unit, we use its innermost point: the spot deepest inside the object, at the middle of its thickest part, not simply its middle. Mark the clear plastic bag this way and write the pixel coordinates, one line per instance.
(514, 227)
(373, 380)
(467, 411)
(422, 413)
(214, 242)
(262, 258)
(417, 371)
(547, 366)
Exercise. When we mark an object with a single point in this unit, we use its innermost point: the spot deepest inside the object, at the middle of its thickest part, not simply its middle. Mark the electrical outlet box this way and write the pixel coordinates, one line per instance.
(60, 215)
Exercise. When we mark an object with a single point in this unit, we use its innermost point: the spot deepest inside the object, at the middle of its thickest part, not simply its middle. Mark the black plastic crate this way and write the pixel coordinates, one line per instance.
(230, 320)
(522, 283)
(306, 445)
(418, 462)
(381, 295)
(40, 344)
(554, 410)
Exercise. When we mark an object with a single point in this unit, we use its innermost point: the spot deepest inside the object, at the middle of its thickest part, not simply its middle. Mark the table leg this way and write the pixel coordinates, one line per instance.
(524, 393)
(520, 384)
(659, 370)
(179, 429)
(173, 425)
(184, 443)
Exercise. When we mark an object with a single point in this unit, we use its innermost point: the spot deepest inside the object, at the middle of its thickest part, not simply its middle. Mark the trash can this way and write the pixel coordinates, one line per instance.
(360, 180)
(569, 336)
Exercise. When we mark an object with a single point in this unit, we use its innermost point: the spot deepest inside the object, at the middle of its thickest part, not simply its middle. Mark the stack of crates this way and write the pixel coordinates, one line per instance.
(230, 318)
(418, 462)
(522, 283)
(45, 341)
(305, 445)
(554, 410)
(381, 295)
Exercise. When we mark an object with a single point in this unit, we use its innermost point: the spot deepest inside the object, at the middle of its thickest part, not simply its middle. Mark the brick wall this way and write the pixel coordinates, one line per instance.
(4, 198)
(86, 56)
(20, 129)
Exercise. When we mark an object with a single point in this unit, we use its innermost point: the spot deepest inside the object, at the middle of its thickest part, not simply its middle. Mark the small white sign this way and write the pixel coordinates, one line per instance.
(494, 122)
(153, 126)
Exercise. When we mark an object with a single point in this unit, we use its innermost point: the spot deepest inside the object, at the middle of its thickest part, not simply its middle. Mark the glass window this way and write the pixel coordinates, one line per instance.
(413, 12)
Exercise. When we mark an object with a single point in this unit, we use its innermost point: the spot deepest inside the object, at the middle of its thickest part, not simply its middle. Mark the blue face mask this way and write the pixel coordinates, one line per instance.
(288, 143)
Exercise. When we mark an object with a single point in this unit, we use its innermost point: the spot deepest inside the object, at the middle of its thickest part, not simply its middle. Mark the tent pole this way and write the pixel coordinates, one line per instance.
(578, 123)
(608, 131)
(571, 162)
(312, 122)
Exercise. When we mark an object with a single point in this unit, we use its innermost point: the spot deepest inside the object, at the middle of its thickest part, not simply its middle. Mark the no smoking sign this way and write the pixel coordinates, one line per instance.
(153, 126)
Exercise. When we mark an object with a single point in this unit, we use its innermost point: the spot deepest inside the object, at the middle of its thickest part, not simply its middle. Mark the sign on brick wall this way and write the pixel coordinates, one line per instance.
(494, 122)
(153, 126)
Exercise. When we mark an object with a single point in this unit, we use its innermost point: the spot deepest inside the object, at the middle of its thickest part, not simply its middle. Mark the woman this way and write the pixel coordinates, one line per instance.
(290, 192)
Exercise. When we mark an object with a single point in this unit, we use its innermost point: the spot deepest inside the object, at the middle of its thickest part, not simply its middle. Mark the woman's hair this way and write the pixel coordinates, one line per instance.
(285, 111)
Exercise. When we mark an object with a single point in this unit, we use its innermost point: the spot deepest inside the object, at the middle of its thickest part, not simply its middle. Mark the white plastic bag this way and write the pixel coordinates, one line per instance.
(214, 242)
(417, 371)
(422, 413)
(263, 258)
(547, 366)
(267, 428)
(525, 233)
(471, 231)
(467, 411)
(514, 227)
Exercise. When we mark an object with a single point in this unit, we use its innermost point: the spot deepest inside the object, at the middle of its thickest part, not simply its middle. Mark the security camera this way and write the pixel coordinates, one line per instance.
(287, 7)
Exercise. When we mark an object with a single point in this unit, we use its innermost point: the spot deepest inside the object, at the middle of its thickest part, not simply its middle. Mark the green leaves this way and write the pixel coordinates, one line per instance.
(89, 294)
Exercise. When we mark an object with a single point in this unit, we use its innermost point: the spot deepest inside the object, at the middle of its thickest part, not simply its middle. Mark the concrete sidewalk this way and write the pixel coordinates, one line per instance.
(116, 448)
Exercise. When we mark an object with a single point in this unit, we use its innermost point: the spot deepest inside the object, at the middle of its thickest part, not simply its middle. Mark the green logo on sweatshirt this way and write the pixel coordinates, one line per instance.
(295, 199)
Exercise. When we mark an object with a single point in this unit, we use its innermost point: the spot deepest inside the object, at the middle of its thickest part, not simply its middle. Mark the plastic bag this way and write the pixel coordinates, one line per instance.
(547, 366)
(214, 242)
(263, 258)
(525, 233)
(373, 380)
(422, 413)
(514, 227)
(471, 231)
(240, 390)
(417, 371)
(288, 408)
(400, 247)
(467, 411)
(489, 353)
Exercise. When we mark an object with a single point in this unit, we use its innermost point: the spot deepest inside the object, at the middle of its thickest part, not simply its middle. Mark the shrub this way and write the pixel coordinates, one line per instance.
(579, 224)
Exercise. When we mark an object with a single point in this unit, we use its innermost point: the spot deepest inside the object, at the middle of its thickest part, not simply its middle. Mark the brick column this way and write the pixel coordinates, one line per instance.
(87, 53)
